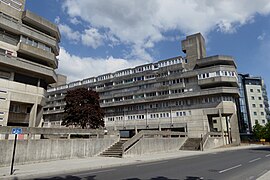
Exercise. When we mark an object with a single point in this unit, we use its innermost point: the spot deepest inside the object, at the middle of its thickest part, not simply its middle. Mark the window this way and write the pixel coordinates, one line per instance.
(263, 121)
(260, 98)
(214, 121)
(262, 113)
(251, 90)
(258, 90)
(255, 113)
(254, 105)
(252, 97)
(28, 110)
(261, 106)
(1, 119)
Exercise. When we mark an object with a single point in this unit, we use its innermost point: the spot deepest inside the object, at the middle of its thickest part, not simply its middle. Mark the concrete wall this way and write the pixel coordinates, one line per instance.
(213, 142)
(29, 151)
(155, 145)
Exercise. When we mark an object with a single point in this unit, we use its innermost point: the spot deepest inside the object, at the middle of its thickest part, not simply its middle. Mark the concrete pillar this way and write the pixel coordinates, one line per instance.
(136, 130)
(222, 132)
(11, 78)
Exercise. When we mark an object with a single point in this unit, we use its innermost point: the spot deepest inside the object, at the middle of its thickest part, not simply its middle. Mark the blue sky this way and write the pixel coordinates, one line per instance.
(100, 36)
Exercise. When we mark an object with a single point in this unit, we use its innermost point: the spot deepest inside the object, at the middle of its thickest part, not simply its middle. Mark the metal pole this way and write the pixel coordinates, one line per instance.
(13, 155)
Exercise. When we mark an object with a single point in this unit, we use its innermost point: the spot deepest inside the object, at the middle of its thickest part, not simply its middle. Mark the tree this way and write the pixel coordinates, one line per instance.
(82, 109)
(259, 131)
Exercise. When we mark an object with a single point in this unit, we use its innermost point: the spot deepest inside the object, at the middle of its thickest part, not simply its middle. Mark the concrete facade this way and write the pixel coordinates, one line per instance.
(155, 145)
(28, 50)
(30, 151)
(195, 94)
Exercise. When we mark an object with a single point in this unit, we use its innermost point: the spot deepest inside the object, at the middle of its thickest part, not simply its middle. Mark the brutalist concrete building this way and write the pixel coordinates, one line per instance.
(196, 94)
(28, 50)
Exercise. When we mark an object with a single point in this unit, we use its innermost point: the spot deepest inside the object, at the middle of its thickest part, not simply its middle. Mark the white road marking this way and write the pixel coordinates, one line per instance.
(254, 160)
(230, 168)
(267, 155)
(148, 164)
(85, 174)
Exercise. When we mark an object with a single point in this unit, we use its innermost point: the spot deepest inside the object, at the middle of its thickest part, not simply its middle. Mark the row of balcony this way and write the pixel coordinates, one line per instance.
(14, 26)
(33, 68)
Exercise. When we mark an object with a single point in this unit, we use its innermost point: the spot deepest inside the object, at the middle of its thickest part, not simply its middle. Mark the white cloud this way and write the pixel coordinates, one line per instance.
(141, 23)
(84, 67)
(261, 36)
(75, 21)
(65, 30)
(57, 20)
(91, 37)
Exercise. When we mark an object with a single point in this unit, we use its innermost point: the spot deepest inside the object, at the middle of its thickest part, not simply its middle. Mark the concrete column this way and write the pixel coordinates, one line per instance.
(38, 83)
(136, 130)
(11, 78)
(222, 132)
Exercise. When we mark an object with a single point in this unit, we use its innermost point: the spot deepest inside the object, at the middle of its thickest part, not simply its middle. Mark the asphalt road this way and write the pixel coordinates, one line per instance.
(244, 164)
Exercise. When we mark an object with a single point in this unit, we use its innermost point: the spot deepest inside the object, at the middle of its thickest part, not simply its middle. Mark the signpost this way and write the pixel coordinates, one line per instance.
(15, 131)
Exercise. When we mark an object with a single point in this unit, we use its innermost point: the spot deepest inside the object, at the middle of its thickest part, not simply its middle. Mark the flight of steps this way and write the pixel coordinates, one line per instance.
(115, 150)
(191, 144)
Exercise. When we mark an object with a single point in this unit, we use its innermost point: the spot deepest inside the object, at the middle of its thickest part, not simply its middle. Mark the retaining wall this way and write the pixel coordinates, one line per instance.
(213, 142)
(155, 145)
(29, 151)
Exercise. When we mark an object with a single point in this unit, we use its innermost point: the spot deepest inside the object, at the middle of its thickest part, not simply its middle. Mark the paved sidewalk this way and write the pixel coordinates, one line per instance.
(30, 171)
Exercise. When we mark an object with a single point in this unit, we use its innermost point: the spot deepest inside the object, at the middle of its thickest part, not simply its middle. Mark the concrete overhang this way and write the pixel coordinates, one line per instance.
(215, 60)
(27, 67)
(218, 81)
(41, 23)
(47, 57)
(16, 27)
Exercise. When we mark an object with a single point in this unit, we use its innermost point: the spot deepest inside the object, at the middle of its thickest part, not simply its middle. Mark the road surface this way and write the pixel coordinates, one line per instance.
(239, 164)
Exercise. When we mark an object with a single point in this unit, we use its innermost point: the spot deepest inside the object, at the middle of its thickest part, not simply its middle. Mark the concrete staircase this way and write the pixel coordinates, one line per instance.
(192, 144)
(115, 150)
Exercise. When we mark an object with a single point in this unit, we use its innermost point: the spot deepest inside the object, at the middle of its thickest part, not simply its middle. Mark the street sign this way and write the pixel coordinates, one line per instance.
(16, 130)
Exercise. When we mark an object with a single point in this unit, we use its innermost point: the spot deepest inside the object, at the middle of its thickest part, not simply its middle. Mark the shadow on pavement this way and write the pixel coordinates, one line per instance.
(266, 148)
(68, 178)
(165, 178)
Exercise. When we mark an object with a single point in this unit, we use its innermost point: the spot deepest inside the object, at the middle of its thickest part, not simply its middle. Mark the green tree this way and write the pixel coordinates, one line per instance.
(259, 131)
(83, 109)
(267, 131)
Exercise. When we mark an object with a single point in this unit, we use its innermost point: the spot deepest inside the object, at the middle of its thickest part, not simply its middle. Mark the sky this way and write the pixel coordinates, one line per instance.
(101, 36)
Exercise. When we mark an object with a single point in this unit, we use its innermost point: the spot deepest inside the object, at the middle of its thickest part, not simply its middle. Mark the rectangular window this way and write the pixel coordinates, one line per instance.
(255, 113)
(262, 113)
(254, 105)
(251, 90)
(1, 119)
(260, 98)
(258, 90)
(252, 97)
(261, 106)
